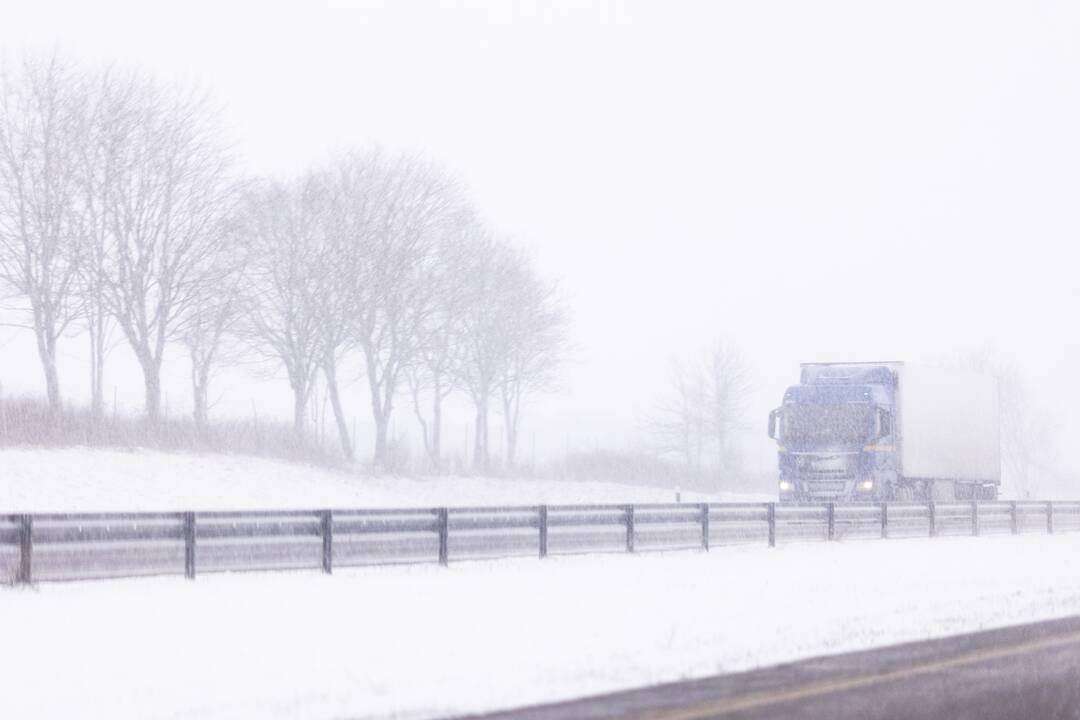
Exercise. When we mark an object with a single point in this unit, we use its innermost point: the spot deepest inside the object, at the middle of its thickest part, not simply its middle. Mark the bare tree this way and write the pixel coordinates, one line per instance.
(173, 191)
(417, 202)
(283, 279)
(535, 347)
(704, 408)
(727, 387)
(491, 274)
(435, 369)
(210, 318)
(352, 190)
(40, 136)
(678, 424)
(108, 104)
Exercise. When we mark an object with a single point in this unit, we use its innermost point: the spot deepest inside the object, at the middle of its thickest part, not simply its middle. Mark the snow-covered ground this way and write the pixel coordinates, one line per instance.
(83, 479)
(425, 641)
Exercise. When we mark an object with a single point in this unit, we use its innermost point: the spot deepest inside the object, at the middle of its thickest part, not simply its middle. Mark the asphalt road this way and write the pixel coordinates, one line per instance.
(1028, 671)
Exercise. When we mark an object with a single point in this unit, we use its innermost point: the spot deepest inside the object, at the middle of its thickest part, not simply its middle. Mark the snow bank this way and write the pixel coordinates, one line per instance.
(84, 479)
(424, 641)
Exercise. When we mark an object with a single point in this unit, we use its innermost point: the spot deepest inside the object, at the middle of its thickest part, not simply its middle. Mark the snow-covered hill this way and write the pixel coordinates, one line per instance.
(84, 479)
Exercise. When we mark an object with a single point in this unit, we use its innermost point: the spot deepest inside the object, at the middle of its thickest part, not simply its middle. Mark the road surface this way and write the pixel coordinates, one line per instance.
(1027, 671)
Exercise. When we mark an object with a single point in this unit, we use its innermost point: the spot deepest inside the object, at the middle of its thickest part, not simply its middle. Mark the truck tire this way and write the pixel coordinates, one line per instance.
(903, 494)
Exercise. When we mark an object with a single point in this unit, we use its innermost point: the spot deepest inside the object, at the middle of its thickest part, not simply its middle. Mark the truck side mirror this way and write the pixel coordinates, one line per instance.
(884, 423)
(772, 423)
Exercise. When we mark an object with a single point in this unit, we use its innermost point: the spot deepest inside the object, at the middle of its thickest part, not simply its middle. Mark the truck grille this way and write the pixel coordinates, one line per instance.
(825, 490)
(829, 467)
(827, 477)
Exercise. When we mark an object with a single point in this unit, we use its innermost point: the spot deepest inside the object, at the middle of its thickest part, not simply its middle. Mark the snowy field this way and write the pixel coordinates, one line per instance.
(84, 480)
(425, 641)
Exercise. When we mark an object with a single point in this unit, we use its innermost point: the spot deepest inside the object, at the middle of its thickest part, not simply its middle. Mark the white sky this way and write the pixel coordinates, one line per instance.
(811, 181)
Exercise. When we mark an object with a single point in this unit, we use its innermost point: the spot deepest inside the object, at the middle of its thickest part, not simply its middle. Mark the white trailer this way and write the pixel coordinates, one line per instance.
(949, 425)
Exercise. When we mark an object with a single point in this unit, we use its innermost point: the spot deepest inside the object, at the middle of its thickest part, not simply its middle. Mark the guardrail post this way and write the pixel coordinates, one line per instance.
(327, 522)
(443, 520)
(26, 548)
(1050, 517)
(629, 528)
(705, 526)
(975, 517)
(932, 519)
(1014, 524)
(189, 545)
(770, 513)
(884, 520)
(831, 514)
(542, 521)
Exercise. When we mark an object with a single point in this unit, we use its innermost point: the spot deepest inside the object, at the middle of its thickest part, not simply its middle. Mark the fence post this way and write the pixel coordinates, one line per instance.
(705, 526)
(629, 528)
(189, 545)
(1014, 525)
(1049, 517)
(327, 518)
(26, 548)
(770, 512)
(443, 521)
(831, 513)
(884, 520)
(932, 519)
(975, 517)
(543, 524)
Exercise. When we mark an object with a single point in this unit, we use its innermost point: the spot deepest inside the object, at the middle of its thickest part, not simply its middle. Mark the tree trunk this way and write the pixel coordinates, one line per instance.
(47, 352)
(425, 431)
(97, 376)
(52, 387)
(436, 429)
(299, 411)
(97, 322)
(382, 406)
(301, 389)
(200, 386)
(152, 379)
(201, 412)
(511, 407)
(382, 425)
(330, 372)
(688, 444)
(481, 459)
(511, 443)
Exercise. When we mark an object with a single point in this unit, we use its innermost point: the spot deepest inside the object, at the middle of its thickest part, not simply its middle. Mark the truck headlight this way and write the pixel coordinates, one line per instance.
(785, 486)
(866, 485)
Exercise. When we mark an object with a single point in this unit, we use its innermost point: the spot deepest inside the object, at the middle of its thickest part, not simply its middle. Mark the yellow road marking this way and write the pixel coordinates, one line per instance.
(709, 709)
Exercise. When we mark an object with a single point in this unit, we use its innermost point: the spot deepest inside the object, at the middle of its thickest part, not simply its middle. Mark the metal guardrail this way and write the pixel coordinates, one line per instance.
(41, 547)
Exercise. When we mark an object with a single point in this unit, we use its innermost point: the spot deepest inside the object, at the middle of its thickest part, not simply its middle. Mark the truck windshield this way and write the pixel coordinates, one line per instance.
(812, 423)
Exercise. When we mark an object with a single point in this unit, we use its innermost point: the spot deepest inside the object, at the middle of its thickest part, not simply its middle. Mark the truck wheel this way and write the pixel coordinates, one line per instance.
(904, 494)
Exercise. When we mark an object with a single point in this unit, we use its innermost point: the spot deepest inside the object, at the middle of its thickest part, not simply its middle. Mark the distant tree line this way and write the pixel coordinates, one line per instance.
(699, 419)
(123, 207)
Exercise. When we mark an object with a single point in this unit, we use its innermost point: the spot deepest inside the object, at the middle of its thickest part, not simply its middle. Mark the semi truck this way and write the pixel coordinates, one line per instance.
(887, 431)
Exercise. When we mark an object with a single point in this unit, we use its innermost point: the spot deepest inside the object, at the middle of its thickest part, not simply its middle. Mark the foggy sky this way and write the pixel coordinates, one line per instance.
(809, 181)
